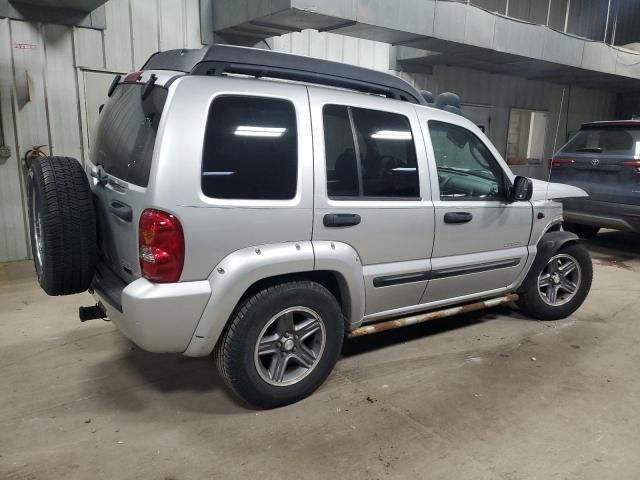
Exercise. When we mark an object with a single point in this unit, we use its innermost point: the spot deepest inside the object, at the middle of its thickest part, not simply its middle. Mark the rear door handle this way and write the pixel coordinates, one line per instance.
(121, 210)
(341, 219)
(457, 217)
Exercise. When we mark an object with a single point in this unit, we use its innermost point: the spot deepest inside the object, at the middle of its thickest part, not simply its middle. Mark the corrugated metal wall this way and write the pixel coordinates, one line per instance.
(500, 93)
(42, 75)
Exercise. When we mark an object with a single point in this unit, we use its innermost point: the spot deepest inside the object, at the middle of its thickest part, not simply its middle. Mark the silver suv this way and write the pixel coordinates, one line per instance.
(263, 206)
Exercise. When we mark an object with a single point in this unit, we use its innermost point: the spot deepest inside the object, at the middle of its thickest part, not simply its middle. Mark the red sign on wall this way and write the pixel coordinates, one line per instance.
(25, 46)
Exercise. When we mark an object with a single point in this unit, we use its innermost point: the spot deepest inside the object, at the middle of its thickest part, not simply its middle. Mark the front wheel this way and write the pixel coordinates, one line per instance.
(560, 286)
(281, 344)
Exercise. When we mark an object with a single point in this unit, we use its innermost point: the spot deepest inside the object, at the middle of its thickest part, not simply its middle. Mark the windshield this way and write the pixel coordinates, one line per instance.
(126, 133)
(611, 140)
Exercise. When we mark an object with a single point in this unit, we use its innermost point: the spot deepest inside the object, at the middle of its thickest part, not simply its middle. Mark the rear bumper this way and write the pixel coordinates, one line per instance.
(157, 317)
(618, 216)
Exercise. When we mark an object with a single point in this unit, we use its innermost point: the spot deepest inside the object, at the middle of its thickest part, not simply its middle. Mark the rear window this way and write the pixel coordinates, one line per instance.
(250, 149)
(126, 133)
(611, 140)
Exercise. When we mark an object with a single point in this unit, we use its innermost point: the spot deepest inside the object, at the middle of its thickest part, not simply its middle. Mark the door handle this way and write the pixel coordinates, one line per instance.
(121, 210)
(341, 219)
(457, 217)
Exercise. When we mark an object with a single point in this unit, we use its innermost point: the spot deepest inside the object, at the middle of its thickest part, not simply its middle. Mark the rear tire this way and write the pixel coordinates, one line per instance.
(281, 344)
(62, 225)
(561, 285)
(583, 231)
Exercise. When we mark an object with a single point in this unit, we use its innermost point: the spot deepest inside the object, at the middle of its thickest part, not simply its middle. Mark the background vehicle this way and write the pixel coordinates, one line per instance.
(264, 220)
(603, 159)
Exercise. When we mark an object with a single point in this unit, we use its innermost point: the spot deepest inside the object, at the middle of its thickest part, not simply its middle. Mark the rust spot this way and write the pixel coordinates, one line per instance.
(434, 315)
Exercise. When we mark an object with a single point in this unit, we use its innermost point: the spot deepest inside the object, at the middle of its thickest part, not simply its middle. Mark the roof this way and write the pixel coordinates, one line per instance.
(612, 123)
(220, 59)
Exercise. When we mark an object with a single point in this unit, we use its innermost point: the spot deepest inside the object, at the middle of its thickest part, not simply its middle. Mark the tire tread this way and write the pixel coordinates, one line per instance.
(227, 346)
(68, 225)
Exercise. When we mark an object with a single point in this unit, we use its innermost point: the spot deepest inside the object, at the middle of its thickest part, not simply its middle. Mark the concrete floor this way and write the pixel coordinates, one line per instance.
(487, 396)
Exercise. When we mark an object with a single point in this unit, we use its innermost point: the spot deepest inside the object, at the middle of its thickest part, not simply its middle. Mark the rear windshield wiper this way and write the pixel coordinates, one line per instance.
(589, 149)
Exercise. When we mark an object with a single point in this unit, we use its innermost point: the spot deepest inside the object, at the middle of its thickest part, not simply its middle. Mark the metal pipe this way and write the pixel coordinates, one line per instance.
(434, 315)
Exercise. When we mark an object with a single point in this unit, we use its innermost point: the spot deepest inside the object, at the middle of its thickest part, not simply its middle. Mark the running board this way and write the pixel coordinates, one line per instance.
(434, 315)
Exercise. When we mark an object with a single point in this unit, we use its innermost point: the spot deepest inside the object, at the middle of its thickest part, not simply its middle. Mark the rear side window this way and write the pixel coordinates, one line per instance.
(126, 133)
(369, 154)
(612, 140)
(250, 149)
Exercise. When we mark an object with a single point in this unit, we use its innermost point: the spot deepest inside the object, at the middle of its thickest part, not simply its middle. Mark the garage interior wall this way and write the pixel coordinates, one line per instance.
(49, 76)
(52, 78)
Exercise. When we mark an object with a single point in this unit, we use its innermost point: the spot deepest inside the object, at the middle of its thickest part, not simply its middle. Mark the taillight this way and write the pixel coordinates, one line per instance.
(160, 246)
(635, 165)
(556, 162)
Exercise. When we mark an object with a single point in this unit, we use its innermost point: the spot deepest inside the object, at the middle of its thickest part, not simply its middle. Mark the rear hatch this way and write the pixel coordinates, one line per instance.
(603, 160)
(121, 155)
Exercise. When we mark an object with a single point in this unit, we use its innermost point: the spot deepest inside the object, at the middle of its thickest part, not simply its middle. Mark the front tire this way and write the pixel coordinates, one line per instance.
(560, 286)
(281, 344)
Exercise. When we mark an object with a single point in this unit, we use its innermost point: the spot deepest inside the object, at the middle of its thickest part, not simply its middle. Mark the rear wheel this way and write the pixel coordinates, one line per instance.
(560, 287)
(281, 344)
(62, 225)
(583, 231)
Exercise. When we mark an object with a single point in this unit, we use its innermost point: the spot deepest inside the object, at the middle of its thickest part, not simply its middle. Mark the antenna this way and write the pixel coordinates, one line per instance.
(555, 143)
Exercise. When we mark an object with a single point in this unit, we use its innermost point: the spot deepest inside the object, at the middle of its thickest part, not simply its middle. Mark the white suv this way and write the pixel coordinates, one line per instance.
(263, 206)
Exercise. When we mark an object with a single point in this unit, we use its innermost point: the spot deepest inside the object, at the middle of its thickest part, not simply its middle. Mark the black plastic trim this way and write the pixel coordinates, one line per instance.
(109, 286)
(219, 59)
(400, 279)
(548, 245)
(477, 268)
(341, 219)
(391, 280)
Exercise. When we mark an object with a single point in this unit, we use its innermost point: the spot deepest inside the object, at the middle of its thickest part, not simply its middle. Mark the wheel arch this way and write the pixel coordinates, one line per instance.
(334, 265)
(331, 280)
(547, 246)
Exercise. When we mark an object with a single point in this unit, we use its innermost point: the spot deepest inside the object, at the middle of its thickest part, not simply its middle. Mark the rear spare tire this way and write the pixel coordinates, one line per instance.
(62, 225)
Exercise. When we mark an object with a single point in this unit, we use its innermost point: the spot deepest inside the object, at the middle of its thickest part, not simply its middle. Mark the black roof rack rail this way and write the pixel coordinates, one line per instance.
(220, 59)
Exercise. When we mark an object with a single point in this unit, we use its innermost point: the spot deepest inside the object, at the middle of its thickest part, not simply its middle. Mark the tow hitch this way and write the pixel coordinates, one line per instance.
(92, 313)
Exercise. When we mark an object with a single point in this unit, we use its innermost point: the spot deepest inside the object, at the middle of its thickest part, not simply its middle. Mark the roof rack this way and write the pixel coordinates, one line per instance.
(221, 59)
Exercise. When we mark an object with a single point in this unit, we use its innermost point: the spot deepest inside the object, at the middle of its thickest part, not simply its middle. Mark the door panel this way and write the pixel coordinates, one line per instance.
(481, 239)
(395, 285)
(494, 226)
(395, 233)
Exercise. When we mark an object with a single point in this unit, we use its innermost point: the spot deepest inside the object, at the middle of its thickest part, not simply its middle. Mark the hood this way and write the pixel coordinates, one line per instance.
(548, 190)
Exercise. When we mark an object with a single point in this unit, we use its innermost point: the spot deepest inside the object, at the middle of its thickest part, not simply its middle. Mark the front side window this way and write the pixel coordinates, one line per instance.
(466, 168)
(250, 149)
(369, 154)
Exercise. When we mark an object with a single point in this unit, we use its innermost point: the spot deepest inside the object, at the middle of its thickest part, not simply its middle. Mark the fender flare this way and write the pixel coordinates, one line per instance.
(547, 247)
(238, 271)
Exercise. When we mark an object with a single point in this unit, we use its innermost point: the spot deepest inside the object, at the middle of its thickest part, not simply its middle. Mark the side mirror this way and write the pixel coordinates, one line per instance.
(522, 189)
